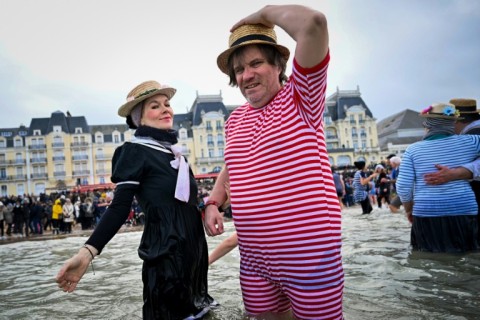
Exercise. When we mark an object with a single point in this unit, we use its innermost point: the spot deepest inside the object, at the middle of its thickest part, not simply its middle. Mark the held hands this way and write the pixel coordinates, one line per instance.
(213, 222)
(443, 175)
(73, 270)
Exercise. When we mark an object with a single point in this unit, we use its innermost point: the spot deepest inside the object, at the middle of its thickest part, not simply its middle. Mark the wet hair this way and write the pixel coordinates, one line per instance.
(271, 54)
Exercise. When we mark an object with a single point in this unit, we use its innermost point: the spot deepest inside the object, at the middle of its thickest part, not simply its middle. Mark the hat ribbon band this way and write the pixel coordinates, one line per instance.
(145, 93)
(467, 108)
(253, 37)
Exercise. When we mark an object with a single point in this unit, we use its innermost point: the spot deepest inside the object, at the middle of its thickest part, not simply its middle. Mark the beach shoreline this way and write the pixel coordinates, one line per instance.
(48, 235)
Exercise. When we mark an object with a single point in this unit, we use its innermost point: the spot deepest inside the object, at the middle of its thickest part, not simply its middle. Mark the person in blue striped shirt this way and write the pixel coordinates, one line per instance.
(443, 217)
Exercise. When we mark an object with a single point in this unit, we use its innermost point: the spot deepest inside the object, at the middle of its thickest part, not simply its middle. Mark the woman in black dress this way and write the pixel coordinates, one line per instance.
(173, 246)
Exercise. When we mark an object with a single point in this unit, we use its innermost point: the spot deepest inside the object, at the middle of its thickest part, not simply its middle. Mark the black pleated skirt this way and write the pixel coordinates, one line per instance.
(452, 234)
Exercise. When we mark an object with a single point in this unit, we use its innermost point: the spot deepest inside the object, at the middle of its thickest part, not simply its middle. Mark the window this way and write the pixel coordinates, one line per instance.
(37, 132)
(183, 133)
(3, 191)
(210, 140)
(102, 179)
(78, 130)
(3, 173)
(99, 138)
(20, 189)
(208, 125)
(220, 152)
(17, 142)
(57, 128)
(3, 143)
(211, 154)
(57, 140)
(116, 138)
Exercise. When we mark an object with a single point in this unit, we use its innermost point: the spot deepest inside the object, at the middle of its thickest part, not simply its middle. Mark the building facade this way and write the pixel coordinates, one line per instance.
(398, 131)
(57, 153)
(63, 152)
(350, 129)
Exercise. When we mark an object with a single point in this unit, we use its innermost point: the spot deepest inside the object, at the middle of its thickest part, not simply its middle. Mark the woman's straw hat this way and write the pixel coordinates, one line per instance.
(144, 91)
(440, 110)
(249, 34)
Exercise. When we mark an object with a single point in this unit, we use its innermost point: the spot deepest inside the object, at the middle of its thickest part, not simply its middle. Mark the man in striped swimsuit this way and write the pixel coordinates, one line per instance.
(283, 198)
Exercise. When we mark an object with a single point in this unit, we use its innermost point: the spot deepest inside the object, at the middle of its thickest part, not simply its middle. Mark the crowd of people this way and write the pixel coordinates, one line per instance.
(56, 213)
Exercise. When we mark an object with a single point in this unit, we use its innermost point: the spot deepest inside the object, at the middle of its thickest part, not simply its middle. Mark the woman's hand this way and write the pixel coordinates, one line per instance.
(73, 270)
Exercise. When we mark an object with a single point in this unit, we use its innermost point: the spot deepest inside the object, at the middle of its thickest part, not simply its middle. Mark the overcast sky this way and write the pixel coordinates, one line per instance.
(85, 56)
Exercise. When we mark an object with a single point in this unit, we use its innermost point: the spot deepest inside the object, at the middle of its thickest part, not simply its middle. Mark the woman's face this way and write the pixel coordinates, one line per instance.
(157, 112)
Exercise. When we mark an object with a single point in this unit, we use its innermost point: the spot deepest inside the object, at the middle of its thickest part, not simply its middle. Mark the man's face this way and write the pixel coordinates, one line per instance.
(257, 79)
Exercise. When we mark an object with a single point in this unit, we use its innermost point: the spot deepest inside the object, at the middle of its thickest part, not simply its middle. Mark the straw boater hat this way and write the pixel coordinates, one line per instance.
(467, 108)
(440, 110)
(144, 91)
(249, 34)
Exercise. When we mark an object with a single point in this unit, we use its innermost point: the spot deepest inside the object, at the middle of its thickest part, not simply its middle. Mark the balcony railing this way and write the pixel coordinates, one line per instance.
(102, 171)
(81, 173)
(80, 144)
(17, 177)
(209, 160)
(59, 173)
(58, 158)
(38, 160)
(103, 157)
(37, 146)
(80, 157)
(58, 145)
(39, 175)
(12, 162)
(332, 137)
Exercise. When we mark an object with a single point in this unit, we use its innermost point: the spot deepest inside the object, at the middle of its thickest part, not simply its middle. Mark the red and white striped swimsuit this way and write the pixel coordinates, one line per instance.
(284, 203)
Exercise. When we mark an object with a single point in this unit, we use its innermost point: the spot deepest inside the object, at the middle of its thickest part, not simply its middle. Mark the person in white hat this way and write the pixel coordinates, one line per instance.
(283, 198)
(173, 246)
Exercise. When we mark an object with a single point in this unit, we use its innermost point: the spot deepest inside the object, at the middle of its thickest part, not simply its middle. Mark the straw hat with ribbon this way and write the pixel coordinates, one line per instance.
(440, 110)
(144, 91)
(249, 34)
(467, 108)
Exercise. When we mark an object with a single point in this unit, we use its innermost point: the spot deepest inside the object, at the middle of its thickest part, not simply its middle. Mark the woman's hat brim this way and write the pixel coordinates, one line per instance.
(127, 108)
